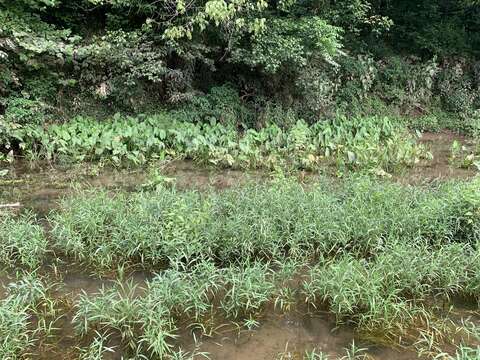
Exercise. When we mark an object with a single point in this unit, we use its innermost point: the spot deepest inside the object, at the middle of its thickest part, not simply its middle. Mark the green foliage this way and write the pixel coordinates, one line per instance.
(261, 222)
(433, 27)
(23, 241)
(222, 104)
(137, 55)
(156, 180)
(456, 88)
(351, 143)
(430, 123)
(378, 255)
(23, 299)
(30, 44)
(288, 44)
(465, 156)
(248, 289)
(117, 65)
(23, 111)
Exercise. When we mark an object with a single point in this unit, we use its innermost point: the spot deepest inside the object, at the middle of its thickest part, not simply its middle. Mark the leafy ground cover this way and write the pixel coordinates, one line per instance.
(372, 143)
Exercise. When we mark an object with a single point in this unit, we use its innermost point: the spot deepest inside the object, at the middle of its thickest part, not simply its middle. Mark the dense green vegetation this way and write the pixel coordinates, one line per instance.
(373, 143)
(244, 63)
(274, 222)
(344, 87)
(380, 256)
(25, 298)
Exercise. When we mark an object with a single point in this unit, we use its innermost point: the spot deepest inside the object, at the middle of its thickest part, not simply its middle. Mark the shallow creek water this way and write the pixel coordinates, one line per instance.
(39, 187)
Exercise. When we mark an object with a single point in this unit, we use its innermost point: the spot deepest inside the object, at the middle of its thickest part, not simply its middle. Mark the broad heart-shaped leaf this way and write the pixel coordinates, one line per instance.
(162, 134)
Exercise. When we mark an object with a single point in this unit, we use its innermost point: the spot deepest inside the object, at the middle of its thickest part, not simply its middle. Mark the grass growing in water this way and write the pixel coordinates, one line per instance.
(23, 242)
(376, 254)
(274, 222)
(24, 300)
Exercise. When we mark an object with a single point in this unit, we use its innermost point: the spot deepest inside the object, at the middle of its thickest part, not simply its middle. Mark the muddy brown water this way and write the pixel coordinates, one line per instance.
(290, 337)
(440, 167)
(283, 337)
(39, 187)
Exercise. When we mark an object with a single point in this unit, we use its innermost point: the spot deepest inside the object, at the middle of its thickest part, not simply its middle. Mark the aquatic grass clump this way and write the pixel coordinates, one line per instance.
(148, 321)
(417, 270)
(117, 311)
(387, 292)
(115, 307)
(233, 255)
(186, 293)
(354, 290)
(466, 353)
(23, 241)
(16, 311)
(263, 222)
(374, 263)
(248, 288)
(14, 322)
(451, 212)
(97, 348)
(144, 229)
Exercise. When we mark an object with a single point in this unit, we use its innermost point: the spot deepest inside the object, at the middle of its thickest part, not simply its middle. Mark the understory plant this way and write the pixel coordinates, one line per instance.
(371, 143)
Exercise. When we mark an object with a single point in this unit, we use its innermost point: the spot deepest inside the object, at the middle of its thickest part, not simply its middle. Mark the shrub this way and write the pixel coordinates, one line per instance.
(221, 104)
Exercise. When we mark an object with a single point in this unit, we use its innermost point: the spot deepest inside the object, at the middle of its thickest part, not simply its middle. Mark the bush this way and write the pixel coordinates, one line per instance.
(221, 104)
(25, 111)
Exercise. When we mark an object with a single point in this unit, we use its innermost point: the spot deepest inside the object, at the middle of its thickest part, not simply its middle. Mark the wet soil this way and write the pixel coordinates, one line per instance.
(290, 337)
(440, 167)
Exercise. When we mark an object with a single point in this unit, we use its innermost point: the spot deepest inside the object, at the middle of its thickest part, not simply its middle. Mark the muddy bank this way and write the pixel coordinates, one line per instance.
(440, 167)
